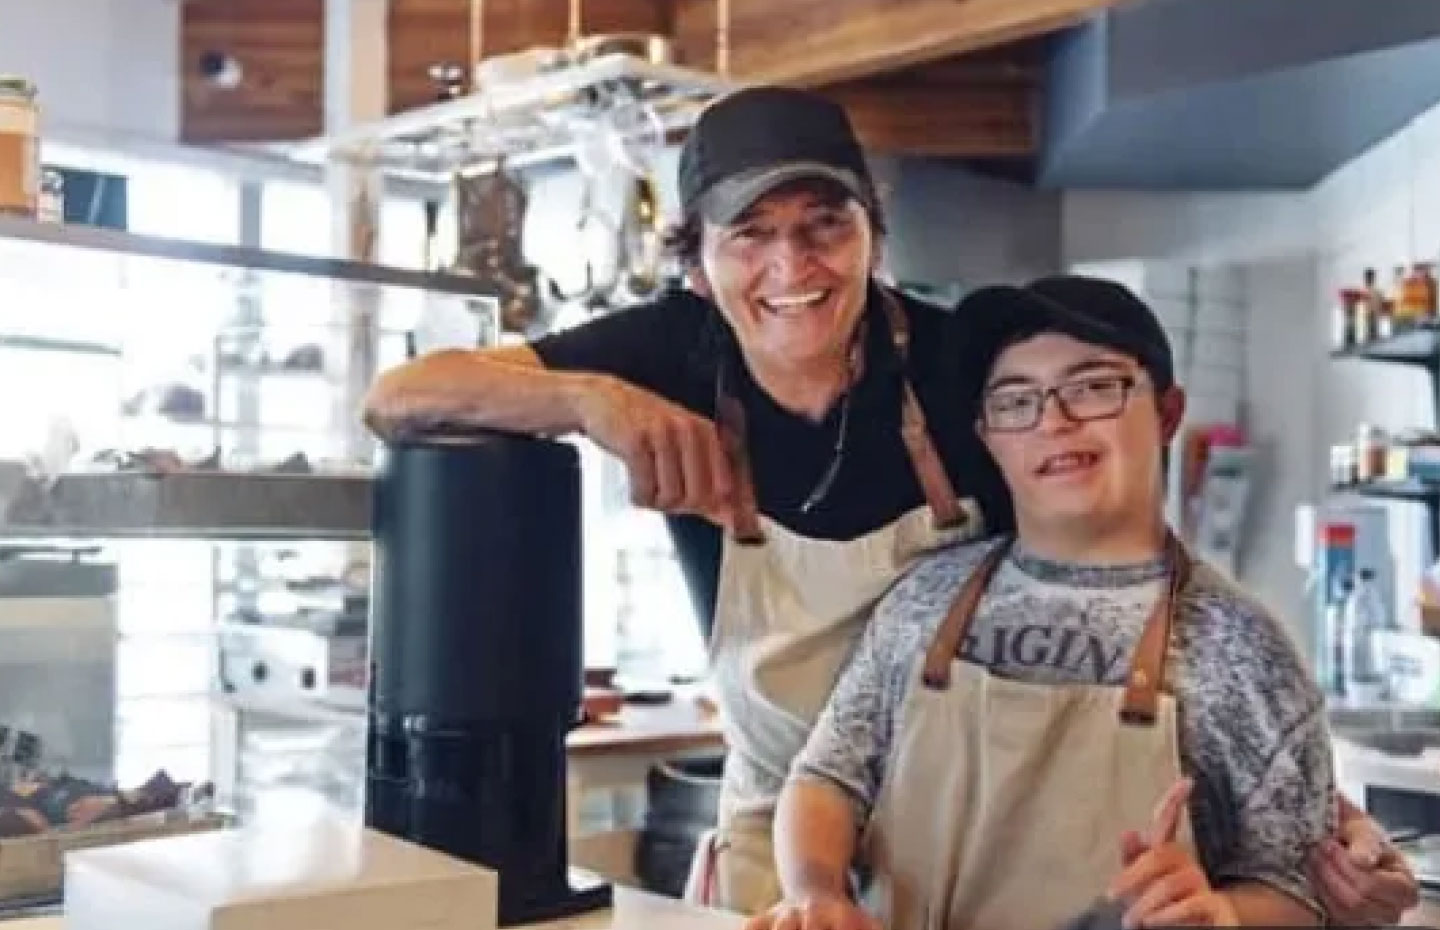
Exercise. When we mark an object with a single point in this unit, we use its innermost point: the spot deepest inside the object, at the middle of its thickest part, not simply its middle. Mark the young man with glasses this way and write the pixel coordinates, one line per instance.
(1081, 712)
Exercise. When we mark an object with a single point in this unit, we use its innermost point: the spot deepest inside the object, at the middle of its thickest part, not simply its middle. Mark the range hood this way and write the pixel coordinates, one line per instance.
(1233, 94)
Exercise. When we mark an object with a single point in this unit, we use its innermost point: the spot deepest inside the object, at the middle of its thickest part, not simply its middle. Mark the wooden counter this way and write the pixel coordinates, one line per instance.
(684, 725)
(607, 762)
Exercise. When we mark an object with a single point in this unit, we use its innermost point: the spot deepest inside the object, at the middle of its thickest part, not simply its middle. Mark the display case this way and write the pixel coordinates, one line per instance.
(184, 516)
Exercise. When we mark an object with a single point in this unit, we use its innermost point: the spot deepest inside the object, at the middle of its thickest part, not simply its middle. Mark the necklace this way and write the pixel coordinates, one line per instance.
(842, 432)
(832, 471)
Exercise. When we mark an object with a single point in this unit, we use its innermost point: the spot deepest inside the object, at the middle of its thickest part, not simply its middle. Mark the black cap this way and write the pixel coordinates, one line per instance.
(1092, 310)
(747, 143)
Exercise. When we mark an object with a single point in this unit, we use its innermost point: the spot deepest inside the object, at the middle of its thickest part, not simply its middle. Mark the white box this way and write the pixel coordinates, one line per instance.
(324, 873)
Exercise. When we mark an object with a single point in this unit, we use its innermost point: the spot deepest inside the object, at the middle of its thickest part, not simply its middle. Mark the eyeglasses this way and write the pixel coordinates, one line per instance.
(1016, 410)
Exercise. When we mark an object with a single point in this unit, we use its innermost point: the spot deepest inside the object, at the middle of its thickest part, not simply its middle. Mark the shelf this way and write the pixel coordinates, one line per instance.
(525, 121)
(1418, 345)
(204, 505)
(156, 422)
(94, 238)
(1420, 492)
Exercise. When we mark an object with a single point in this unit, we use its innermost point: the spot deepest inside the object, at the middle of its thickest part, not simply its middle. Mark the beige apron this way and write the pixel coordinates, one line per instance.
(789, 610)
(1005, 800)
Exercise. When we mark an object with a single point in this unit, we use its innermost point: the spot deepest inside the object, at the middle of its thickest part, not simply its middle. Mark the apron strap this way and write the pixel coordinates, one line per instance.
(1147, 668)
(947, 641)
(730, 422)
(929, 470)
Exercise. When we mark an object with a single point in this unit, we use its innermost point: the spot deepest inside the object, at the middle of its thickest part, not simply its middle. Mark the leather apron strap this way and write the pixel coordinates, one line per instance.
(1146, 678)
(914, 431)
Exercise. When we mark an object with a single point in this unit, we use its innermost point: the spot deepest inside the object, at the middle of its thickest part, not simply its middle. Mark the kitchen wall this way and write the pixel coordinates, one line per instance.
(1293, 251)
(950, 224)
(100, 64)
(947, 224)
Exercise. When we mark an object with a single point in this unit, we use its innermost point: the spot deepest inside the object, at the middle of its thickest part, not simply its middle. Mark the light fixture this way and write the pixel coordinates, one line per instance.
(221, 69)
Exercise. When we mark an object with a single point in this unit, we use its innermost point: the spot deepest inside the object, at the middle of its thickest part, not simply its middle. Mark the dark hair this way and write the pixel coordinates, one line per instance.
(682, 240)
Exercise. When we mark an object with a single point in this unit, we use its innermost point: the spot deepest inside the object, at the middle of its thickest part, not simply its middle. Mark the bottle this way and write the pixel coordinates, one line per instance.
(1346, 309)
(1370, 453)
(1364, 617)
(51, 208)
(1412, 295)
(1396, 299)
(1331, 671)
(1425, 291)
(1376, 307)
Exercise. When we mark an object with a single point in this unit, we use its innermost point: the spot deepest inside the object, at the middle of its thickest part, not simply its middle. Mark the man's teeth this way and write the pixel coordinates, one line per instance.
(1068, 462)
(795, 301)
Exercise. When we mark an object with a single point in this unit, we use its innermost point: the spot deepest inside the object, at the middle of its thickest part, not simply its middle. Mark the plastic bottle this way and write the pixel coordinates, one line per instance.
(1332, 648)
(1364, 616)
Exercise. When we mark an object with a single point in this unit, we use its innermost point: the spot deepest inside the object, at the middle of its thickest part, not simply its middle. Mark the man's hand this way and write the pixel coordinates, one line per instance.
(674, 457)
(818, 912)
(1361, 879)
(1160, 883)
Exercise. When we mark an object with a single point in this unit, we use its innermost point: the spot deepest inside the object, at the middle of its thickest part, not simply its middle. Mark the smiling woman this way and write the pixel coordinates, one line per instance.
(761, 410)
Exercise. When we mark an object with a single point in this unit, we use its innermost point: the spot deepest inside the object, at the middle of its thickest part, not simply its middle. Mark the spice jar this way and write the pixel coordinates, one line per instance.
(1342, 465)
(1369, 453)
(1375, 320)
(1347, 318)
(1425, 295)
(19, 147)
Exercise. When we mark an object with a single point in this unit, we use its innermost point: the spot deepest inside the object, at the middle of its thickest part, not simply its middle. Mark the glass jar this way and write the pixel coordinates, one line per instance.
(1369, 453)
(1425, 290)
(19, 147)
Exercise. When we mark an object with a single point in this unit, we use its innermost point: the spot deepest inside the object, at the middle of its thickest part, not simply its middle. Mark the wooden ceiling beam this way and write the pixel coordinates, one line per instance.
(820, 42)
(976, 106)
(428, 32)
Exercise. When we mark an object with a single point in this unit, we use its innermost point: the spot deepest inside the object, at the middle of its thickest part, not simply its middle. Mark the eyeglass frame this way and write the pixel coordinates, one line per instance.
(1129, 383)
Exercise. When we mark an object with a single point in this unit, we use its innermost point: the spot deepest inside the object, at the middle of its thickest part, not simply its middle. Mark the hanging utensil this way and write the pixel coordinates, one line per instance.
(490, 214)
(640, 241)
(634, 133)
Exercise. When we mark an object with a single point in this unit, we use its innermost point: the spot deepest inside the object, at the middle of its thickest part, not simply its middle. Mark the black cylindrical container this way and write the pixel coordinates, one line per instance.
(476, 646)
(478, 579)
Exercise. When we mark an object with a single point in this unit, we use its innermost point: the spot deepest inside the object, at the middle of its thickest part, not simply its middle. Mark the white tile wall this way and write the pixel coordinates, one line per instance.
(1288, 253)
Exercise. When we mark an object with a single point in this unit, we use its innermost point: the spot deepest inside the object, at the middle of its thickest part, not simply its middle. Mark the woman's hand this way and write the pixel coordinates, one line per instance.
(1362, 879)
(1160, 883)
(674, 458)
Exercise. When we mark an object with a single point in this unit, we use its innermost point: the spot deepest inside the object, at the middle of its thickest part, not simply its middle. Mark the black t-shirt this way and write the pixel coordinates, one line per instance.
(674, 347)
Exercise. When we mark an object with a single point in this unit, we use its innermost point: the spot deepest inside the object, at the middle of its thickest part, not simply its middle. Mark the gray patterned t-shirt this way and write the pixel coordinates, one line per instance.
(1253, 733)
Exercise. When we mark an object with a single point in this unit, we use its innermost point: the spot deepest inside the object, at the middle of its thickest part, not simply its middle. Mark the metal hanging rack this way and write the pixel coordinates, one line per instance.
(524, 122)
(538, 117)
